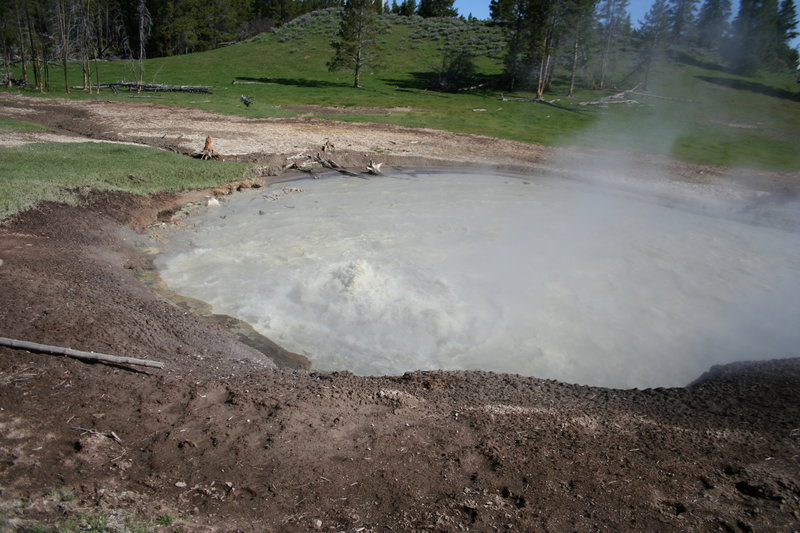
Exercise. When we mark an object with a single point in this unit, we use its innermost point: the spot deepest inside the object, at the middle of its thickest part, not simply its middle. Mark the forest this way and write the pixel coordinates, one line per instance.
(540, 36)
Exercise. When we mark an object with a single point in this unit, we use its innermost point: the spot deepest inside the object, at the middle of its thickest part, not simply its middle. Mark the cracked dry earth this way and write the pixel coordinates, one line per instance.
(223, 440)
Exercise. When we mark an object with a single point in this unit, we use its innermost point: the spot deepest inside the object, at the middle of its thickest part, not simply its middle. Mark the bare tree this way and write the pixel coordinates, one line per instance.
(63, 21)
(145, 26)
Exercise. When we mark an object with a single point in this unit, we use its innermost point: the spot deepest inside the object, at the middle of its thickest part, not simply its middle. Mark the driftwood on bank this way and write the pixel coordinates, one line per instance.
(513, 99)
(618, 98)
(78, 354)
(374, 168)
(309, 164)
(150, 87)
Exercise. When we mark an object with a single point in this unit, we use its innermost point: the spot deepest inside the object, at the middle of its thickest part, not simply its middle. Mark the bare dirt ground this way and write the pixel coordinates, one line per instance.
(221, 440)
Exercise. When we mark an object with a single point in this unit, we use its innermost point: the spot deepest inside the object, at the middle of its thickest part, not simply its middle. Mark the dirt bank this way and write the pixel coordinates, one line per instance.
(222, 441)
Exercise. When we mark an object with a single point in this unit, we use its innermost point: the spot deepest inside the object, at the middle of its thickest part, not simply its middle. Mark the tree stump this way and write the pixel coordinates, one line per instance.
(208, 150)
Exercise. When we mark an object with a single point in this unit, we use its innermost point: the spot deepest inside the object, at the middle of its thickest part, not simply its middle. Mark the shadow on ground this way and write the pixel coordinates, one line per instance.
(752, 86)
(296, 82)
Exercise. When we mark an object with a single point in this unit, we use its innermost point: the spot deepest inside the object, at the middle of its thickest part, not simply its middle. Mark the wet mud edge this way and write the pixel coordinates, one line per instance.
(172, 220)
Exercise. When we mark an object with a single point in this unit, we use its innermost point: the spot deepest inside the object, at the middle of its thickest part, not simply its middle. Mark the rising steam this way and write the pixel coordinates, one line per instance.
(625, 285)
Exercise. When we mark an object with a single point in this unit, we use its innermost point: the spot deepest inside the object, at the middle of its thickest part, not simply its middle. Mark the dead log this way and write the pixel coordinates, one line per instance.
(327, 163)
(416, 91)
(77, 354)
(472, 88)
(618, 98)
(374, 168)
(347, 172)
(513, 99)
(149, 87)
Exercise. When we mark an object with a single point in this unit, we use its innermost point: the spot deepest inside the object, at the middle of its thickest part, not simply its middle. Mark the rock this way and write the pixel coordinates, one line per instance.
(180, 484)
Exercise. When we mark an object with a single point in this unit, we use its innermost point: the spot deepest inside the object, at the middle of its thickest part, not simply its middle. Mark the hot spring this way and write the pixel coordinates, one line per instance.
(621, 286)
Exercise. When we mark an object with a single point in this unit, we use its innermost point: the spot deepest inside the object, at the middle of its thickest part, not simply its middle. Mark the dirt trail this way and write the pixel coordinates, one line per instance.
(222, 441)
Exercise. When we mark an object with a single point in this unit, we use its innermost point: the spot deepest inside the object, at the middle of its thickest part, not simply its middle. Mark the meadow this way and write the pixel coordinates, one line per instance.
(693, 110)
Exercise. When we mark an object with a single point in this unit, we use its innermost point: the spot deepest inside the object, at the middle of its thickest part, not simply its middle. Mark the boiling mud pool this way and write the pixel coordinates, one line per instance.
(550, 278)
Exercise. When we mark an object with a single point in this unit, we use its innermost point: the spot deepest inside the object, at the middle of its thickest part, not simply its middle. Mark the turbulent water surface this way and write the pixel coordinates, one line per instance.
(551, 278)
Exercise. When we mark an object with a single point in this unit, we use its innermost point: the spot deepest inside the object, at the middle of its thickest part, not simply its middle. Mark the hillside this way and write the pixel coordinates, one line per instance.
(694, 109)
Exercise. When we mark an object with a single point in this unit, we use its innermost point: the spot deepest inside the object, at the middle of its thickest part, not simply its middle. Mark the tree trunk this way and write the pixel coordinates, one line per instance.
(21, 38)
(6, 63)
(604, 60)
(574, 68)
(647, 66)
(37, 67)
(544, 68)
(359, 60)
(63, 30)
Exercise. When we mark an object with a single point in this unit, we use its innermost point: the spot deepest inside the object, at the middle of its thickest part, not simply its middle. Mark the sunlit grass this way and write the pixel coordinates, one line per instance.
(8, 125)
(66, 172)
(699, 112)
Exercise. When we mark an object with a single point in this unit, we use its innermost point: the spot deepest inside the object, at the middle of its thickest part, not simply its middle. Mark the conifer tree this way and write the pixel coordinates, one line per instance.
(437, 8)
(614, 25)
(712, 23)
(787, 20)
(579, 18)
(682, 18)
(408, 8)
(654, 32)
(760, 36)
(356, 45)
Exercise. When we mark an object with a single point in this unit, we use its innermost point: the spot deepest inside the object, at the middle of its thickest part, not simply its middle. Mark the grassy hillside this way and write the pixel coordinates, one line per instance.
(697, 112)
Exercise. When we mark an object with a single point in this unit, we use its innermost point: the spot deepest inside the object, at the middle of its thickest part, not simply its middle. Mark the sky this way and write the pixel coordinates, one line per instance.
(480, 9)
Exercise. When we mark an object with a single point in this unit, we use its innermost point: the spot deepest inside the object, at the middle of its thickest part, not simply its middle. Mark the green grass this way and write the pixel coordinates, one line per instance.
(8, 125)
(66, 172)
(709, 116)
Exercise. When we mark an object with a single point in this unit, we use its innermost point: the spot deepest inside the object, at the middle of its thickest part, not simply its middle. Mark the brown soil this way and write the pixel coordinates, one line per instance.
(226, 442)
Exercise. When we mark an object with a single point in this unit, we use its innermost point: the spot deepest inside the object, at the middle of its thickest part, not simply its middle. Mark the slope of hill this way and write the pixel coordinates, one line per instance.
(693, 110)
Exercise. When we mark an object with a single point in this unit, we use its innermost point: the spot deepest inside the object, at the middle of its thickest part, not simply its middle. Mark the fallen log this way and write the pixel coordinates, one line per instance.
(618, 98)
(472, 88)
(512, 99)
(77, 354)
(374, 168)
(150, 87)
(416, 91)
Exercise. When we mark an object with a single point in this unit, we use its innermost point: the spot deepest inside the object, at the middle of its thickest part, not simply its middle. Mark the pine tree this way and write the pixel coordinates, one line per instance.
(408, 8)
(712, 23)
(356, 45)
(512, 15)
(682, 18)
(787, 26)
(759, 39)
(437, 8)
(654, 31)
(787, 20)
(614, 25)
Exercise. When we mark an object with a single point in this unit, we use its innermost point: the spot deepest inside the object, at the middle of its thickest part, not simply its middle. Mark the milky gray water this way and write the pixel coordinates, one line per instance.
(544, 277)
